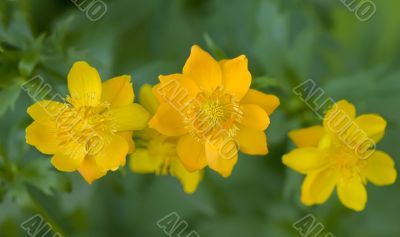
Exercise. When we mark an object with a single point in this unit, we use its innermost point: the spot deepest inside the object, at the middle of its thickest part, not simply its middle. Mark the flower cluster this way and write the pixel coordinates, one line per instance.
(199, 118)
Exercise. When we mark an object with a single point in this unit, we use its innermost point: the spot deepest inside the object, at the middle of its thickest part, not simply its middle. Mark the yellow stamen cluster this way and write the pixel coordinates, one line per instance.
(84, 125)
(208, 114)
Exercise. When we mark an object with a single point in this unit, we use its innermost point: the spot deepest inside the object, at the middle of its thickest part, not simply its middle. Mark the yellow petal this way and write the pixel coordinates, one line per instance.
(339, 116)
(176, 86)
(305, 160)
(236, 77)
(46, 112)
(130, 117)
(43, 137)
(352, 193)
(372, 125)
(203, 69)
(84, 84)
(189, 180)
(90, 171)
(252, 141)
(142, 162)
(148, 99)
(219, 161)
(379, 169)
(318, 186)
(168, 121)
(307, 137)
(69, 161)
(268, 102)
(255, 117)
(191, 153)
(129, 139)
(118, 91)
(113, 153)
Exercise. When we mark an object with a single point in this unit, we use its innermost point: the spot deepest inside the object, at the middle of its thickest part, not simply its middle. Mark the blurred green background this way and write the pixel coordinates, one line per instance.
(287, 42)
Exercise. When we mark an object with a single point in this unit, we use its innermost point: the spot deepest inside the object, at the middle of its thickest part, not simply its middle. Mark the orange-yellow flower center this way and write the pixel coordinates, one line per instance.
(84, 127)
(213, 113)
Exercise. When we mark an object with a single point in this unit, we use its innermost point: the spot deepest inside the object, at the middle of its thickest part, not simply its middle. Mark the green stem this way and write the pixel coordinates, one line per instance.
(42, 211)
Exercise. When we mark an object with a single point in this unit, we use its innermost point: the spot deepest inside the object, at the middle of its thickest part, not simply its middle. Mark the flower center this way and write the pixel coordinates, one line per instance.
(211, 114)
(345, 160)
(84, 127)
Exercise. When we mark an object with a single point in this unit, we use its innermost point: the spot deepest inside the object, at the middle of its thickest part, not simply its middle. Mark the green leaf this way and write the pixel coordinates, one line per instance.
(31, 58)
(18, 32)
(19, 194)
(8, 98)
(40, 174)
(28, 63)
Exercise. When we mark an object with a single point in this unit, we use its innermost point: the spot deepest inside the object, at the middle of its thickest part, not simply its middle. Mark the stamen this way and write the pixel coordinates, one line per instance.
(84, 127)
(212, 114)
(346, 160)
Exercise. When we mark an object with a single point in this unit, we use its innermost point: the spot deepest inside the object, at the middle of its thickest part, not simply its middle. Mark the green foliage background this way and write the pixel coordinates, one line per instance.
(287, 42)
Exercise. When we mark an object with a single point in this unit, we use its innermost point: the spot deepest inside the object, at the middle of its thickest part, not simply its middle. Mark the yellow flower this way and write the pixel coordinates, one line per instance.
(211, 110)
(341, 154)
(92, 131)
(157, 154)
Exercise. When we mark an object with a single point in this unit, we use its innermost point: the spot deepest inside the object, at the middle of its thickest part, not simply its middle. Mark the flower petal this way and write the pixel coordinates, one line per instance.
(71, 161)
(130, 117)
(177, 85)
(191, 153)
(339, 116)
(379, 169)
(168, 121)
(236, 76)
(148, 99)
(113, 153)
(268, 102)
(118, 91)
(252, 141)
(90, 171)
(305, 160)
(318, 186)
(372, 125)
(221, 161)
(142, 162)
(189, 180)
(352, 193)
(43, 137)
(84, 84)
(255, 117)
(46, 111)
(307, 137)
(203, 69)
(128, 136)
